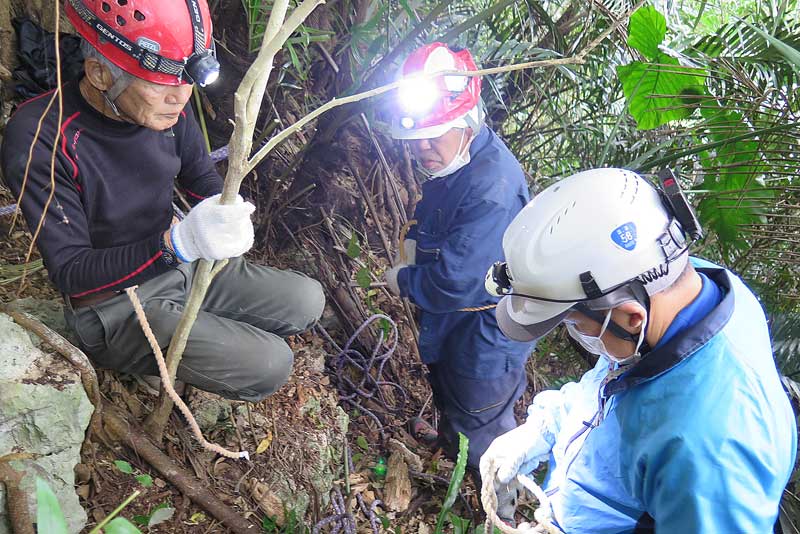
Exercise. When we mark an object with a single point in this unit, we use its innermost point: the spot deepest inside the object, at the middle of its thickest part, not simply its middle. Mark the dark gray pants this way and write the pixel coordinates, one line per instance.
(479, 408)
(235, 348)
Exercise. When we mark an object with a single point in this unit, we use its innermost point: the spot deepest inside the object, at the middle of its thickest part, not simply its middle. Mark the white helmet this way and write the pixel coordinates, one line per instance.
(600, 237)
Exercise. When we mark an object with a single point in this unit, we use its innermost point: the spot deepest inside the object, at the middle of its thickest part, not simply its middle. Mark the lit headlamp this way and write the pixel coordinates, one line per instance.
(202, 69)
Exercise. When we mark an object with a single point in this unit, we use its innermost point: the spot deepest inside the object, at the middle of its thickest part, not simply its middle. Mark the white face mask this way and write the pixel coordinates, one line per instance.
(595, 345)
(460, 159)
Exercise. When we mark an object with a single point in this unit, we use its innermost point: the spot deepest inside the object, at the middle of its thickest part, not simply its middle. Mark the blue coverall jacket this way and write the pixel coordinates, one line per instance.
(698, 437)
(459, 232)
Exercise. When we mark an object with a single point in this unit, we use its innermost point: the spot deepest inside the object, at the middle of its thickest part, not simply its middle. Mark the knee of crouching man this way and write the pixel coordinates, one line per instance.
(271, 373)
(311, 303)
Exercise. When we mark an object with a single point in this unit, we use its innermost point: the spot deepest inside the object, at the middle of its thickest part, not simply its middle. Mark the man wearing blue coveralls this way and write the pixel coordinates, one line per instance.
(683, 425)
(473, 190)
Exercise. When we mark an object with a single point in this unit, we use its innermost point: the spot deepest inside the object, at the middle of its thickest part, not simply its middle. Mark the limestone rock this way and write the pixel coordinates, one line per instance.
(43, 411)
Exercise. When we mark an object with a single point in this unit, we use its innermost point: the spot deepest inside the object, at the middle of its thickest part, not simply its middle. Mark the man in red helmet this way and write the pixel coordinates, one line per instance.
(473, 190)
(120, 141)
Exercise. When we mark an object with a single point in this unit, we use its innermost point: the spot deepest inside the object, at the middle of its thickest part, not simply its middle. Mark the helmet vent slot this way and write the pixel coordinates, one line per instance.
(138, 15)
(106, 8)
(122, 2)
(120, 20)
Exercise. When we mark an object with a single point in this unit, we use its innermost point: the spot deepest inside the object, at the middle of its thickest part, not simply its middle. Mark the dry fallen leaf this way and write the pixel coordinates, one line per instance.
(265, 443)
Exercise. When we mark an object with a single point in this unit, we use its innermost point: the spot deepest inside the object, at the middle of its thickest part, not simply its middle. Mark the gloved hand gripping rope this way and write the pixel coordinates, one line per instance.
(167, 383)
(542, 514)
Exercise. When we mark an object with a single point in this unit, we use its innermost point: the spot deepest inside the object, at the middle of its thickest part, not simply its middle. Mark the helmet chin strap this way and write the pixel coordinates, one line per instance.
(112, 93)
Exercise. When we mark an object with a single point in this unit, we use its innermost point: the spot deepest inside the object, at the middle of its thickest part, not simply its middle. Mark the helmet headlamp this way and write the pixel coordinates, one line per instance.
(202, 69)
(418, 96)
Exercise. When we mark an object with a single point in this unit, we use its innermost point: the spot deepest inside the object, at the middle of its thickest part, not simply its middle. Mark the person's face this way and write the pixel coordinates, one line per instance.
(153, 105)
(436, 153)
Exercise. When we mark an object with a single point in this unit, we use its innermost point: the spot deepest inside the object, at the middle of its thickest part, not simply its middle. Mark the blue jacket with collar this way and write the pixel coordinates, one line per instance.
(461, 219)
(697, 437)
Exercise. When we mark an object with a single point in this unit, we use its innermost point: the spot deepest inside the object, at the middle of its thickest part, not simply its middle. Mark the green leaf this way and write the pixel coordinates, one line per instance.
(141, 520)
(658, 93)
(455, 482)
(353, 248)
(269, 524)
(49, 518)
(791, 54)
(363, 278)
(124, 466)
(357, 458)
(732, 173)
(361, 441)
(120, 525)
(646, 31)
(145, 480)
(384, 522)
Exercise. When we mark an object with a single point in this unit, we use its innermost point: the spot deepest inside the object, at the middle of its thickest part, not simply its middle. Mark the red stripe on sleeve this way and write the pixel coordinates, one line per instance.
(191, 194)
(141, 268)
(64, 148)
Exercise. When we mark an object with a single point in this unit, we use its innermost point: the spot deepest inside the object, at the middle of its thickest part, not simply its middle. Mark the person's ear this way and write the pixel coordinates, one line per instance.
(635, 315)
(98, 74)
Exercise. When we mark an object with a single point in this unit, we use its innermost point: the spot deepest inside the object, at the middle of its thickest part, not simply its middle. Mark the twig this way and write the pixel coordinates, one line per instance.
(247, 103)
(372, 211)
(190, 486)
(116, 511)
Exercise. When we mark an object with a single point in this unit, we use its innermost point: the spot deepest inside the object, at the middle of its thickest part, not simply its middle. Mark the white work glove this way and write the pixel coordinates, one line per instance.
(213, 231)
(518, 451)
(391, 278)
(410, 249)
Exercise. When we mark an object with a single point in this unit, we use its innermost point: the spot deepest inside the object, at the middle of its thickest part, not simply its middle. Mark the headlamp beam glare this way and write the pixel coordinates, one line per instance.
(417, 96)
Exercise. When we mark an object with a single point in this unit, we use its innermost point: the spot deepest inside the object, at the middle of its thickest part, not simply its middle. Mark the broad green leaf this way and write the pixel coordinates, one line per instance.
(141, 520)
(363, 278)
(660, 92)
(145, 480)
(353, 248)
(120, 525)
(646, 31)
(49, 518)
(732, 172)
(361, 441)
(160, 515)
(124, 466)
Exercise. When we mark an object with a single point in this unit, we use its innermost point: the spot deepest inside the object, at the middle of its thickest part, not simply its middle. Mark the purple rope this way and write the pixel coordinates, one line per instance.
(7, 210)
(343, 521)
(219, 154)
(369, 370)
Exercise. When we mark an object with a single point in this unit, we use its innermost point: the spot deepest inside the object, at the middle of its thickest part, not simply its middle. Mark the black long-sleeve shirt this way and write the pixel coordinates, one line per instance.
(113, 189)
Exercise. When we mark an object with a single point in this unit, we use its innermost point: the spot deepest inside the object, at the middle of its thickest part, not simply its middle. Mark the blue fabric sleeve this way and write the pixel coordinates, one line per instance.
(456, 279)
(711, 485)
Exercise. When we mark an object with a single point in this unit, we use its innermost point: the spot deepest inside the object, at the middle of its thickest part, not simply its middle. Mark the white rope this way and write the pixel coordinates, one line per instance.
(542, 514)
(167, 383)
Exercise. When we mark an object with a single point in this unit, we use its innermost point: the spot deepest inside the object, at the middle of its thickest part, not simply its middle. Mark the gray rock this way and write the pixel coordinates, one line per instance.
(50, 312)
(44, 411)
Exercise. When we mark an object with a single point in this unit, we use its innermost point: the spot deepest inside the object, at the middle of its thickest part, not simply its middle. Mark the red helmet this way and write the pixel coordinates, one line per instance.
(161, 41)
(428, 108)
